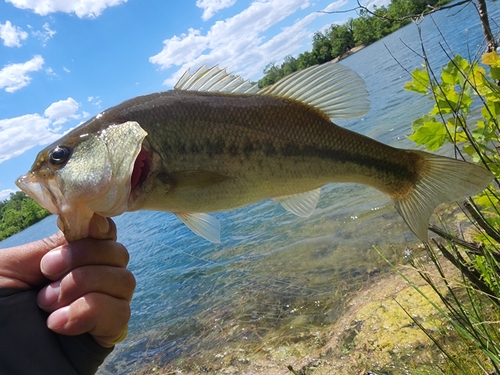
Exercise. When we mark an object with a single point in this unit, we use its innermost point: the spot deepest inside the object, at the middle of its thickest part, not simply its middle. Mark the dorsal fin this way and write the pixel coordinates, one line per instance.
(332, 88)
(215, 80)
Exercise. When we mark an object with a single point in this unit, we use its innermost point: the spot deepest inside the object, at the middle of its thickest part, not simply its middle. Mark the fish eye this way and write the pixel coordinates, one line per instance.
(59, 155)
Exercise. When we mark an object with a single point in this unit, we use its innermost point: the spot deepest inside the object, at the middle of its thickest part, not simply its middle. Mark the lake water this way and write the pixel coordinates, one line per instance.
(276, 275)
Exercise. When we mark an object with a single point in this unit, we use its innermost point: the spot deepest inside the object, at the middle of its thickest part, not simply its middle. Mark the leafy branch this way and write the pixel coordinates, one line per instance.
(466, 115)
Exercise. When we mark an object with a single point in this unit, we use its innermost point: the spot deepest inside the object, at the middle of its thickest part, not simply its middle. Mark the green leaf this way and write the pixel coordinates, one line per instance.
(428, 132)
(486, 199)
(492, 59)
(495, 73)
(448, 101)
(469, 150)
(455, 71)
(420, 83)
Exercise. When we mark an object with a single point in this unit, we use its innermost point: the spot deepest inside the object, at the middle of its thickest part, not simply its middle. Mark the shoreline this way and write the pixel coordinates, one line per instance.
(352, 51)
(372, 334)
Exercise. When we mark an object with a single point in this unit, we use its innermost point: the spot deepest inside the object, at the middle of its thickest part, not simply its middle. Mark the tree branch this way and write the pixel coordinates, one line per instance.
(409, 17)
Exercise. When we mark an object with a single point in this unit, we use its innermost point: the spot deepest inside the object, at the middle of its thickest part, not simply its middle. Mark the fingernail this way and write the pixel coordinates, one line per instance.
(102, 224)
(58, 318)
(55, 261)
(49, 295)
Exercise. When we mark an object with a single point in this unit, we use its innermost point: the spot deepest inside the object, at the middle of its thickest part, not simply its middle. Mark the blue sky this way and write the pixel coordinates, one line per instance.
(64, 61)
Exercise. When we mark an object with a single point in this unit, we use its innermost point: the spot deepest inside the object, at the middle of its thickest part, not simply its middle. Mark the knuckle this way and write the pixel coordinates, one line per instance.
(122, 250)
(129, 280)
(77, 277)
(124, 313)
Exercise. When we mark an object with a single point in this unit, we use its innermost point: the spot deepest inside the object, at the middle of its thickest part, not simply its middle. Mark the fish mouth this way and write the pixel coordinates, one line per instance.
(142, 167)
(41, 193)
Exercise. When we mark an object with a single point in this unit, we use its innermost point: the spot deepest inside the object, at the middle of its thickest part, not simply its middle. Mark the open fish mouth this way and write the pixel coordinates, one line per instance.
(142, 166)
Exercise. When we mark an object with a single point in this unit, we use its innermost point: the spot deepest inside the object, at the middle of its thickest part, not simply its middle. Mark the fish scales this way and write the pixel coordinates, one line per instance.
(216, 143)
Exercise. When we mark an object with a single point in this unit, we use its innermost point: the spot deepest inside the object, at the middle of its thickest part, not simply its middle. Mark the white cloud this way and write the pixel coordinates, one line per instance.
(82, 8)
(19, 134)
(95, 101)
(178, 50)
(12, 35)
(61, 111)
(44, 35)
(210, 7)
(15, 76)
(335, 5)
(50, 72)
(238, 42)
(5, 194)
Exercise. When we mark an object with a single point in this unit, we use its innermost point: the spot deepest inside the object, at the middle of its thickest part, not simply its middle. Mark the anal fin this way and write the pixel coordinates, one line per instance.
(203, 225)
(302, 204)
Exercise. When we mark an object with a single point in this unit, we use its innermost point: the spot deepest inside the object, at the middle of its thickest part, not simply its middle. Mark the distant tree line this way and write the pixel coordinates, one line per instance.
(370, 26)
(19, 212)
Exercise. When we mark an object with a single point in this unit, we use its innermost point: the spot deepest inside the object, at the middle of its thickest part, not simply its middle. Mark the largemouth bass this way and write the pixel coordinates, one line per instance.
(216, 142)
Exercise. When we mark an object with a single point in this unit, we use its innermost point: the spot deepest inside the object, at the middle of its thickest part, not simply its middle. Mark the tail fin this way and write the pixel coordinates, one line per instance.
(446, 180)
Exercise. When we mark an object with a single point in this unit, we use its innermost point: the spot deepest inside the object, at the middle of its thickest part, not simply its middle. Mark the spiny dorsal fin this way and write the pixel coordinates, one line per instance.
(203, 225)
(215, 80)
(332, 88)
(302, 204)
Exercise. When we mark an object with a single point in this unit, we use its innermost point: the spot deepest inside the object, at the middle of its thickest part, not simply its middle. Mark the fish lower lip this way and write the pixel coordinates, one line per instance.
(31, 185)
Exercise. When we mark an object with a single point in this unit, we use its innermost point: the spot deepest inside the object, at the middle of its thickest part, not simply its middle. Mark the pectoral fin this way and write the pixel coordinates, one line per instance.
(203, 225)
(300, 204)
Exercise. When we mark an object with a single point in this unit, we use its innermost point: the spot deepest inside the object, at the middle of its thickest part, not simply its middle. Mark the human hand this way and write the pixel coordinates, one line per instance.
(90, 290)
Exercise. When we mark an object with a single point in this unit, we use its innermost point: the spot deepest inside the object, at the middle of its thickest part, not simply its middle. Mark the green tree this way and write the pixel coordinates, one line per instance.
(341, 38)
(290, 65)
(306, 59)
(271, 75)
(12, 218)
(19, 212)
(322, 47)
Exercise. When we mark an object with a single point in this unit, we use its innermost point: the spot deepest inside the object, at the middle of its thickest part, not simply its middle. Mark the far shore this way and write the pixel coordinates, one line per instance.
(348, 53)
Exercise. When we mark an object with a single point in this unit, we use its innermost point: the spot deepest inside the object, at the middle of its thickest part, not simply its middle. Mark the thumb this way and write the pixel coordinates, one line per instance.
(20, 265)
(102, 228)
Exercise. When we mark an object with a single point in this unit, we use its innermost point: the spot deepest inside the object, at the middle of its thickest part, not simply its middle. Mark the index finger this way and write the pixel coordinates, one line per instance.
(87, 251)
(20, 265)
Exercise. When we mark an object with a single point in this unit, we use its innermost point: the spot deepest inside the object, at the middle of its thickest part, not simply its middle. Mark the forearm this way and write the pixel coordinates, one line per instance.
(27, 346)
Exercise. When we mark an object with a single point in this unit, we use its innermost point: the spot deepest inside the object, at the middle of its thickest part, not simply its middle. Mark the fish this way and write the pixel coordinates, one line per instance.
(216, 142)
